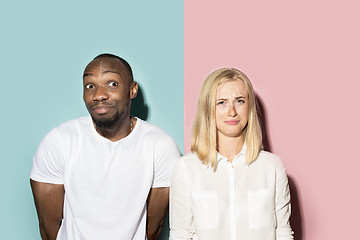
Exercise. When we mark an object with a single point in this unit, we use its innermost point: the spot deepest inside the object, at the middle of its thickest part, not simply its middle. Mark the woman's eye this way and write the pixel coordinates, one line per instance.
(112, 84)
(221, 103)
(240, 101)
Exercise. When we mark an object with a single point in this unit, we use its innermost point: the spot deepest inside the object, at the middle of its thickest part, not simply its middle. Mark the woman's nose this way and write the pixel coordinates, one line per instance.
(232, 110)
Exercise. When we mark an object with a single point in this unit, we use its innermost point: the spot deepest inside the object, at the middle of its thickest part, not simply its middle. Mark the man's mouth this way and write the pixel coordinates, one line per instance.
(102, 109)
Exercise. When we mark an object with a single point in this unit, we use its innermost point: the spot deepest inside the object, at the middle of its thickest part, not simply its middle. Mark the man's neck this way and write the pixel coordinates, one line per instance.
(119, 131)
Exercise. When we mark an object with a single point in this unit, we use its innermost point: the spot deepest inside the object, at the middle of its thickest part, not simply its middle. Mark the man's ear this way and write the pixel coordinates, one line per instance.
(133, 90)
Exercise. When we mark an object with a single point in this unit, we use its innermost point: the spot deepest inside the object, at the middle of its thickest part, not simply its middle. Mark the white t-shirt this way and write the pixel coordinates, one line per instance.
(237, 201)
(106, 183)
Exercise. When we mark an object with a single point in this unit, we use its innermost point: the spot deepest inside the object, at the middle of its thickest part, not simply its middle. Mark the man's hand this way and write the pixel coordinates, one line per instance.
(49, 203)
(157, 208)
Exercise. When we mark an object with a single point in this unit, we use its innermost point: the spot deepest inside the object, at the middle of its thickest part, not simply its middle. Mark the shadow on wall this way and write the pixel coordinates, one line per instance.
(139, 108)
(263, 123)
(296, 214)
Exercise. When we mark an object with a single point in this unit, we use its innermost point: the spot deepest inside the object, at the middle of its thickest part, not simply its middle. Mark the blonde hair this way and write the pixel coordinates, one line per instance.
(204, 132)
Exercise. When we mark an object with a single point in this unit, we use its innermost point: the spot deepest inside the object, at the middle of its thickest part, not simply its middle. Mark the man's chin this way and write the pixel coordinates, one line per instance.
(104, 122)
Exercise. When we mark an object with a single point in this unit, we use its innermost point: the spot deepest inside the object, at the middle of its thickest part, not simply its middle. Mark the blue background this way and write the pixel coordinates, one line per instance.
(44, 48)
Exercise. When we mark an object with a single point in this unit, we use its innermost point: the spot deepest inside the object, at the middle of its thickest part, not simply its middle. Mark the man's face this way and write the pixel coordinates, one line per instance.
(107, 91)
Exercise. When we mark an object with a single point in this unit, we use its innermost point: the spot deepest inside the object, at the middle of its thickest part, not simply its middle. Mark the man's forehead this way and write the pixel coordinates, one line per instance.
(106, 65)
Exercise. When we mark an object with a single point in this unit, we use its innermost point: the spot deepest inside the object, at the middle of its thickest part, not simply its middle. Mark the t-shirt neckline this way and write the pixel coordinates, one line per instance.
(105, 140)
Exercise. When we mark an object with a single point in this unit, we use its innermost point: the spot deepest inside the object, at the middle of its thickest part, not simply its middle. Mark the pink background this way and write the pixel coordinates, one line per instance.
(303, 58)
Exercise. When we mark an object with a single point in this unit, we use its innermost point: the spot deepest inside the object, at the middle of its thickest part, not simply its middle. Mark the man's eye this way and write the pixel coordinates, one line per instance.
(89, 86)
(112, 84)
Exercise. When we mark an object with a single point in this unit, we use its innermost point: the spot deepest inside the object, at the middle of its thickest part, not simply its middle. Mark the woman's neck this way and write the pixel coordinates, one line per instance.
(229, 147)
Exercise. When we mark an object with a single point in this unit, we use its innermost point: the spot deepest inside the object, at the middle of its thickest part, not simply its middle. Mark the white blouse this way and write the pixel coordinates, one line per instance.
(237, 201)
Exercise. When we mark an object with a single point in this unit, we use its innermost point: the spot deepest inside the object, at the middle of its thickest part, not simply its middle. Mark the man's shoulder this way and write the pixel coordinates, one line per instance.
(150, 129)
(74, 123)
(152, 135)
(71, 127)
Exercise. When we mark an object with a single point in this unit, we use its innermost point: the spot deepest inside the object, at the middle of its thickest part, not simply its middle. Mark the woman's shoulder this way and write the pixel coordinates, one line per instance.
(189, 158)
(269, 155)
(186, 165)
(266, 157)
(191, 161)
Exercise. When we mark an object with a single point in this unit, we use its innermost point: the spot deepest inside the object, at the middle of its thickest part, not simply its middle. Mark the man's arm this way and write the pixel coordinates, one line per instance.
(49, 202)
(157, 208)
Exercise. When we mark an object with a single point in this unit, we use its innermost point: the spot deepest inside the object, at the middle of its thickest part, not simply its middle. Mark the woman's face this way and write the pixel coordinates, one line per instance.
(232, 108)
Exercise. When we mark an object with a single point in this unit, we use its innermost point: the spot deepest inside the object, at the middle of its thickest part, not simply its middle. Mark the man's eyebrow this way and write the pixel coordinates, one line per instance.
(109, 71)
(87, 74)
(104, 72)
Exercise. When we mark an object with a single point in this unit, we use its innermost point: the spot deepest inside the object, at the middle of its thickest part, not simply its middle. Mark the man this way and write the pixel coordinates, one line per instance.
(107, 175)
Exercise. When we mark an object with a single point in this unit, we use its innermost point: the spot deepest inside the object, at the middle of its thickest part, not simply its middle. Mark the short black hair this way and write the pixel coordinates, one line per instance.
(123, 61)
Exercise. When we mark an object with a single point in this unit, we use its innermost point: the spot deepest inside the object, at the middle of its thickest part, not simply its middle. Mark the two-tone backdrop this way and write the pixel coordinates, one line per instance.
(302, 57)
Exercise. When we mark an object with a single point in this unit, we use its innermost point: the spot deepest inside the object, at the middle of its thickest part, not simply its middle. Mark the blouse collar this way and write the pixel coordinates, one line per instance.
(239, 158)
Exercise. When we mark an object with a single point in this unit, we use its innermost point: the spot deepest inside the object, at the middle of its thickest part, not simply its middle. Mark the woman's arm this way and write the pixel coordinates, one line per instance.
(181, 216)
(282, 205)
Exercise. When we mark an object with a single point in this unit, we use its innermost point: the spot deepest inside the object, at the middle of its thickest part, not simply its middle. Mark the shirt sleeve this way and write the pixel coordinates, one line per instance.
(181, 216)
(48, 160)
(166, 156)
(283, 206)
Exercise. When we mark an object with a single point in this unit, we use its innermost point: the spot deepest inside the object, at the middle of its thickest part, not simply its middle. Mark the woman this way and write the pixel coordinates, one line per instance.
(227, 187)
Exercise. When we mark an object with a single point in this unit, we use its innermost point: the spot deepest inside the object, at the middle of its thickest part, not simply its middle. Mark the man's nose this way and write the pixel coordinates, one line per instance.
(100, 94)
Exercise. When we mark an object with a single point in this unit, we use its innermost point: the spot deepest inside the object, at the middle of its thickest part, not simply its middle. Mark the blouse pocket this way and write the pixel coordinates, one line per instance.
(205, 209)
(261, 208)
